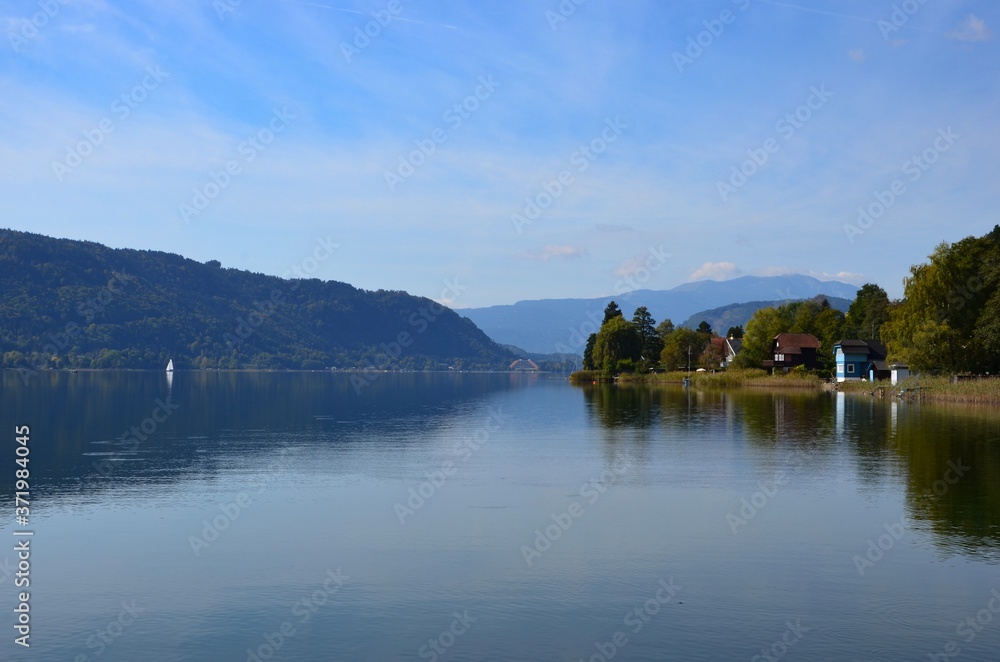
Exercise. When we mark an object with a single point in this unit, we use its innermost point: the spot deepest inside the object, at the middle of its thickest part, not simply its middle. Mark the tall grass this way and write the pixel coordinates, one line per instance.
(732, 378)
(937, 389)
(588, 376)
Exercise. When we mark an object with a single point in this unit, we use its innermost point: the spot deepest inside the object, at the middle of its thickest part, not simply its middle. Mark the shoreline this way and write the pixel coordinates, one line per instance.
(712, 380)
(938, 390)
(190, 371)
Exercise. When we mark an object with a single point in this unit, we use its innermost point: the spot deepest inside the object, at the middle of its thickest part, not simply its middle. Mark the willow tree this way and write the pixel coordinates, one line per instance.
(617, 347)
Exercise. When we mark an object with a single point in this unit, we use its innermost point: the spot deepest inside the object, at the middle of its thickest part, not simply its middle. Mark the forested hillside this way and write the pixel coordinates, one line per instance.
(71, 303)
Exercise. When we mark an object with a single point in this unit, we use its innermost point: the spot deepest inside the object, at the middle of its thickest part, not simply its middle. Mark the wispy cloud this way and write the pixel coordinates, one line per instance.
(613, 227)
(716, 271)
(78, 28)
(817, 11)
(549, 252)
(972, 28)
(355, 121)
(394, 16)
(841, 276)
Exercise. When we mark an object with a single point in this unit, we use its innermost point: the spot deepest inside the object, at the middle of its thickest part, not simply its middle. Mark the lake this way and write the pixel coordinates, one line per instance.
(320, 516)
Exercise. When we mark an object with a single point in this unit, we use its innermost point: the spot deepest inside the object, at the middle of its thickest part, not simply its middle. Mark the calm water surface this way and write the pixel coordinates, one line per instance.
(497, 517)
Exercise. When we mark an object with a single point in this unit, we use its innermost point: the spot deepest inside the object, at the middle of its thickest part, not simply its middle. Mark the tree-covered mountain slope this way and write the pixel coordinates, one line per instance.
(69, 303)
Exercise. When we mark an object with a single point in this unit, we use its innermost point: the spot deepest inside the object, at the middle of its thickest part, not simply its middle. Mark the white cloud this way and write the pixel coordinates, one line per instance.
(857, 54)
(629, 266)
(774, 271)
(972, 28)
(716, 271)
(548, 252)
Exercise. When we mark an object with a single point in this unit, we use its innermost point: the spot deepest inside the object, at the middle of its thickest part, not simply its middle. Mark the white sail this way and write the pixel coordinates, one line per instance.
(170, 365)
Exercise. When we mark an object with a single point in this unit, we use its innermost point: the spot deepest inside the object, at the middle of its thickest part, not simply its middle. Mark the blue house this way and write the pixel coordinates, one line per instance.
(860, 359)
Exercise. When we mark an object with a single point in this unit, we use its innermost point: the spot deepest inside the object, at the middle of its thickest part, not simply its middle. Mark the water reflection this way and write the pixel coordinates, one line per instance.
(951, 463)
(95, 431)
(946, 457)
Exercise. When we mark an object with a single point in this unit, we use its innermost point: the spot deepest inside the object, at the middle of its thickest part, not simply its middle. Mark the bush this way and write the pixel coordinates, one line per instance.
(625, 365)
(585, 376)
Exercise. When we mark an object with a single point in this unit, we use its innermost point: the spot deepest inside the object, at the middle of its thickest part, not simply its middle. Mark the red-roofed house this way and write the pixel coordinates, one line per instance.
(789, 350)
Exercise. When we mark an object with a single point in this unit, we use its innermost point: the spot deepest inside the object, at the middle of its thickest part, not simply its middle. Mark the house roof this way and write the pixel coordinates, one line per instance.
(872, 348)
(880, 365)
(787, 342)
(736, 344)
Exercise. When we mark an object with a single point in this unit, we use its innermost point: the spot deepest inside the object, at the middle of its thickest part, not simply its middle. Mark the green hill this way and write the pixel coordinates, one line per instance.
(738, 314)
(80, 304)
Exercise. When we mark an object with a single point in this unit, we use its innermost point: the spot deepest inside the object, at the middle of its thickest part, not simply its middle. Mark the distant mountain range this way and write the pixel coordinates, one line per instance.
(738, 314)
(562, 325)
(80, 304)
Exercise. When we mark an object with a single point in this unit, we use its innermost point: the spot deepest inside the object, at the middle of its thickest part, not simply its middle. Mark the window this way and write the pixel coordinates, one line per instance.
(850, 368)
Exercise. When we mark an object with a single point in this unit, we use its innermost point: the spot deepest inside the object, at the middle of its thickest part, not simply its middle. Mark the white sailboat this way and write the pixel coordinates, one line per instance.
(170, 365)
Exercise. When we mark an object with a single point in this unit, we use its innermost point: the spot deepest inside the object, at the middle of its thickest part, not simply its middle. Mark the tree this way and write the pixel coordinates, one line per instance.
(664, 329)
(735, 332)
(652, 344)
(828, 326)
(988, 333)
(868, 312)
(676, 349)
(705, 328)
(711, 357)
(588, 353)
(813, 316)
(800, 315)
(645, 325)
(944, 320)
(617, 346)
(610, 311)
(765, 324)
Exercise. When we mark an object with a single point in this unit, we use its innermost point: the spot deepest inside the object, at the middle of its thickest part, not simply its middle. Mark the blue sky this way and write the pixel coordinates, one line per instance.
(246, 131)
